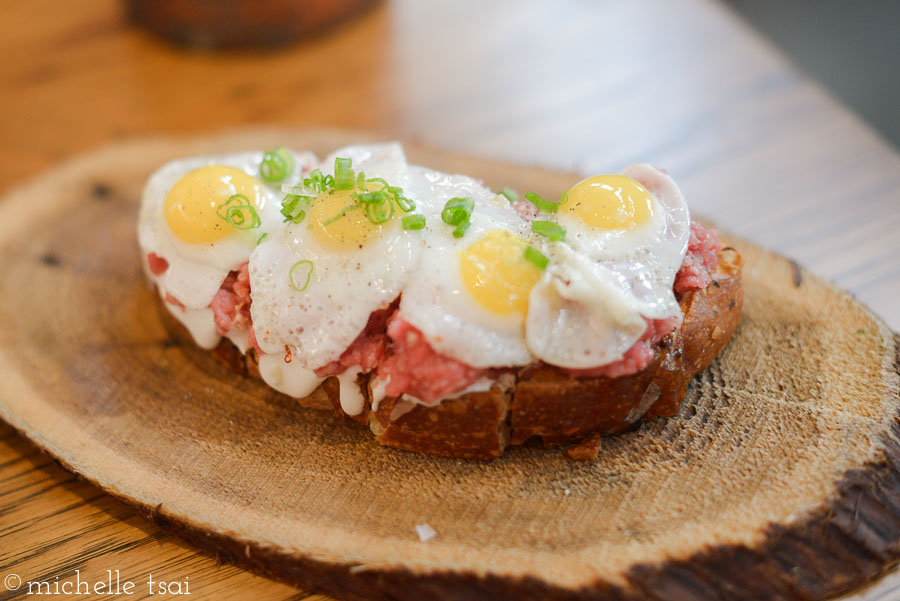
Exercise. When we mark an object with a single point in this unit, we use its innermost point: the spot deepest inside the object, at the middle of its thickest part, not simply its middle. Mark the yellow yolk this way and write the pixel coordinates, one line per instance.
(610, 202)
(190, 207)
(496, 274)
(352, 230)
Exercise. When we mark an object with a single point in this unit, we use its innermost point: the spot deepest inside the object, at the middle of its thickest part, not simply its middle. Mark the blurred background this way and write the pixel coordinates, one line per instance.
(852, 47)
(507, 76)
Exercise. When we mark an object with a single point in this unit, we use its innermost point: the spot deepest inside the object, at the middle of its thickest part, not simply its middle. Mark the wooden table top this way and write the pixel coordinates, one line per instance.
(590, 87)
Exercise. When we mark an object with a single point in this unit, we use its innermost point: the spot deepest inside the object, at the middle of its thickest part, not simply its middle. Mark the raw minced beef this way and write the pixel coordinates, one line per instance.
(415, 368)
(408, 364)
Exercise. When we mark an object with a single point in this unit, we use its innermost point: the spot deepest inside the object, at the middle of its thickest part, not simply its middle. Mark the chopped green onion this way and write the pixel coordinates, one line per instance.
(536, 258)
(343, 174)
(276, 165)
(457, 210)
(544, 206)
(378, 180)
(460, 230)
(238, 212)
(376, 197)
(235, 200)
(243, 218)
(378, 205)
(260, 239)
(380, 212)
(406, 204)
(548, 229)
(340, 214)
(301, 271)
(510, 194)
(413, 222)
(294, 207)
(318, 181)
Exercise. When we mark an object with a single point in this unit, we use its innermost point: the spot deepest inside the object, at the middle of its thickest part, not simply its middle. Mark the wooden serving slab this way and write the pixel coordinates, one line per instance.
(779, 479)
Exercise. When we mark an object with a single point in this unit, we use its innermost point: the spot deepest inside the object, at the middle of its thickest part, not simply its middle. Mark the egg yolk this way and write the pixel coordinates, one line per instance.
(190, 206)
(349, 231)
(496, 273)
(610, 202)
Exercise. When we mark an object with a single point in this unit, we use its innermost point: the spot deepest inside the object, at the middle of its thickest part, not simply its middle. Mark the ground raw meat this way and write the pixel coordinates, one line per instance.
(699, 261)
(369, 347)
(157, 264)
(417, 369)
(231, 305)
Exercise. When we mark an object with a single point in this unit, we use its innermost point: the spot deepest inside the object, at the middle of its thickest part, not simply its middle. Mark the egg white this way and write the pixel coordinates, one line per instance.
(588, 308)
(579, 313)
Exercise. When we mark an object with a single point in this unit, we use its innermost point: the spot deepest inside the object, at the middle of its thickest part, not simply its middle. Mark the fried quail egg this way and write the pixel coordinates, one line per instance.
(470, 297)
(626, 236)
(315, 283)
(185, 220)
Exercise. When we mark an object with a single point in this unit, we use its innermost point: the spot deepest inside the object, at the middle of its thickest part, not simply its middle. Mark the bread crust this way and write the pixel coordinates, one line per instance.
(472, 426)
(540, 401)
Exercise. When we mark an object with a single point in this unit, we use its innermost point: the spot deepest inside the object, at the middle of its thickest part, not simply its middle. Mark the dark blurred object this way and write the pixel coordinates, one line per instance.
(211, 24)
(850, 46)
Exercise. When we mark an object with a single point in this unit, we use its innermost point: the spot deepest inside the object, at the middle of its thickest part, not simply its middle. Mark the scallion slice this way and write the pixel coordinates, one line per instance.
(406, 204)
(276, 165)
(413, 222)
(318, 181)
(460, 230)
(300, 275)
(294, 207)
(536, 258)
(238, 212)
(548, 229)
(378, 180)
(261, 238)
(380, 212)
(343, 174)
(544, 206)
(510, 194)
(340, 214)
(376, 197)
(458, 211)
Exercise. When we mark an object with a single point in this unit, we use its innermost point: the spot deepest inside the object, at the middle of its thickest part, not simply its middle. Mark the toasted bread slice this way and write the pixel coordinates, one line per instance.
(541, 401)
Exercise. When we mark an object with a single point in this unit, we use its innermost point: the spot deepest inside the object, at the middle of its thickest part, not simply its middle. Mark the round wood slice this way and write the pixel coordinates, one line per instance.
(779, 479)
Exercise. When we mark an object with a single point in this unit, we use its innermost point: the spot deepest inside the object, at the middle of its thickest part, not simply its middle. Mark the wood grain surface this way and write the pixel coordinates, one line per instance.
(756, 146)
